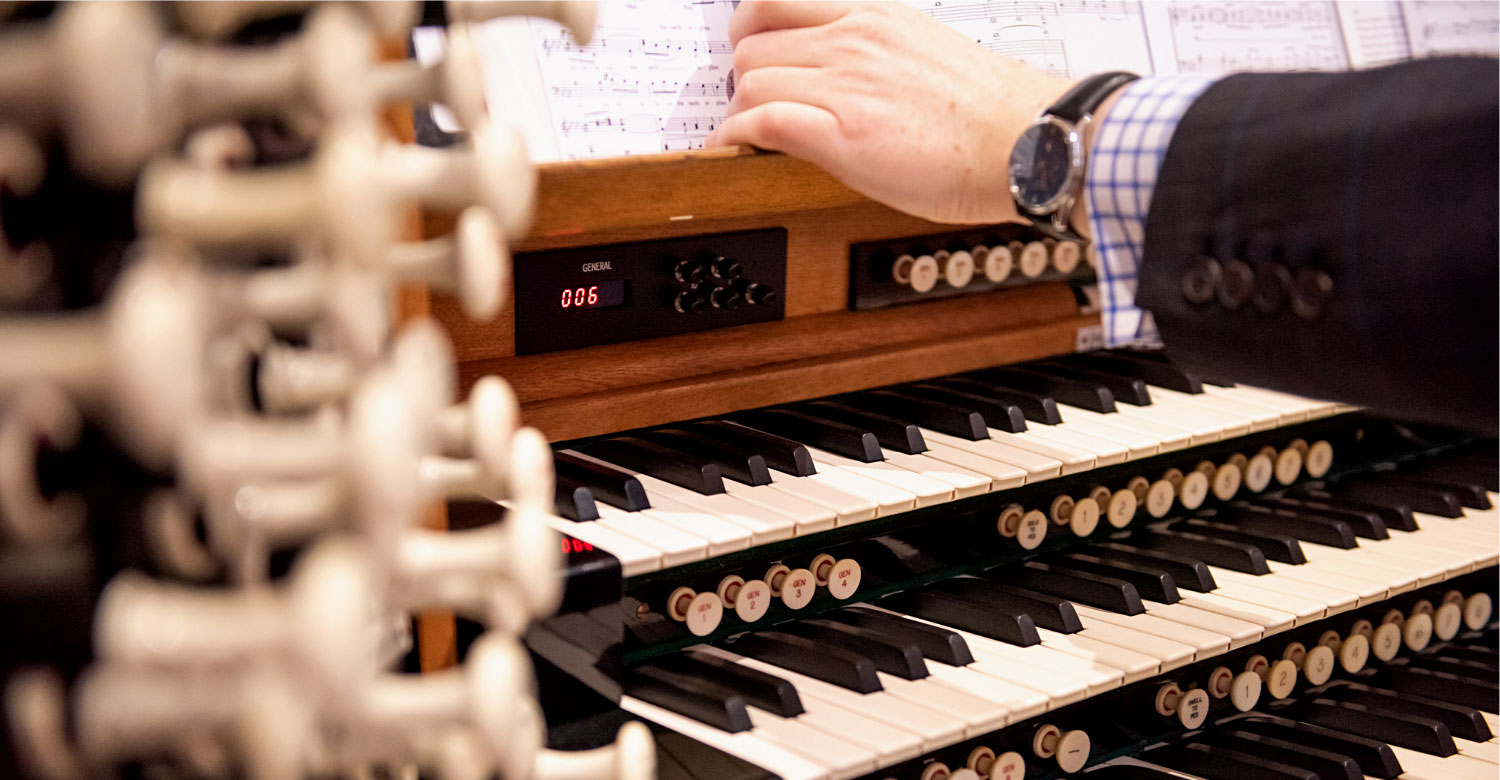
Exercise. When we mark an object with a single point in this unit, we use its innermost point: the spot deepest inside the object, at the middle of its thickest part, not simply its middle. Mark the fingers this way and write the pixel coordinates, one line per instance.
(804, 47)
(754, 16)
(798, 129)
(781, 83)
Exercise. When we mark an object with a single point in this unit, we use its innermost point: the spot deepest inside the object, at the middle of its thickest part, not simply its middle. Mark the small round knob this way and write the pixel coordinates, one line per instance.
(924, 274)
(689, 302)
(759, 294)
(726, 269)
(690, 272)
(725, 298)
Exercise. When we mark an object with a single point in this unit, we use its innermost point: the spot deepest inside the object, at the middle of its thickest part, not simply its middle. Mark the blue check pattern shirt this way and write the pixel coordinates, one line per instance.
(1127, 153)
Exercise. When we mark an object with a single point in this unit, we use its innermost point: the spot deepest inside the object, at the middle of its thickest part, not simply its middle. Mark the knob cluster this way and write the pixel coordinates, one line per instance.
(716, 282)
(958, 266)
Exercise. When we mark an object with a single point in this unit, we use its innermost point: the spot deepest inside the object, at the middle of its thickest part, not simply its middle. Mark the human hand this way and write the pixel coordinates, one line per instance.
(893, 103)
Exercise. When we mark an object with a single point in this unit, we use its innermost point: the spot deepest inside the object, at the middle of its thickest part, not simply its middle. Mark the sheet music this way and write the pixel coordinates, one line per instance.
(657, 75)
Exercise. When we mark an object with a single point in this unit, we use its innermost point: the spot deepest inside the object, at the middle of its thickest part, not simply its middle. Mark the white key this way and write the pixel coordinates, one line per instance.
(806, 516)
(1168, 653)
(1256, 417)
(1105, 452)
(1232, 422)
(764, 527)
(979, 715)
(1488, 752)
(1290, 412)
(894, 480)
(935, 728)
(1035, 466)
(964, 482)
(1166, 437)
(677, 546)
(1339, 570)
(1110, 428)
(1204, 643)
(1314, 407)
(636, 557)
(1304, 608)
(1368, 589)
(1136, 666)
(1002, 476)
(1492, 720)
(1020, 701)
(723, 536)
(1425, 766)
(848, 507)
(1201, 428)
(842, 758)
(743, 745)
(888, 743)
(1072, 458)
(1271, 621)
(1372, 562)
(1334, 599)
(888, 500)
(1239, 632)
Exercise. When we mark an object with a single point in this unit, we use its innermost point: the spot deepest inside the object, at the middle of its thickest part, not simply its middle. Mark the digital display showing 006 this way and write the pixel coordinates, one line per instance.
(593, 296)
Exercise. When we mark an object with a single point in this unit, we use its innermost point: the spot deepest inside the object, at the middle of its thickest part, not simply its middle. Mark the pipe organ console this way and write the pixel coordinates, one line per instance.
(807, 488)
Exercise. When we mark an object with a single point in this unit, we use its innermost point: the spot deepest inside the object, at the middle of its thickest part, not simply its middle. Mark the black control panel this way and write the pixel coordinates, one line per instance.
(962, 262)
(570, 298)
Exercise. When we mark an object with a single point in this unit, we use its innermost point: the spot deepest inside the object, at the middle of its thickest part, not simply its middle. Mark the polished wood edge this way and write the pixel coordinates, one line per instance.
(665, 402)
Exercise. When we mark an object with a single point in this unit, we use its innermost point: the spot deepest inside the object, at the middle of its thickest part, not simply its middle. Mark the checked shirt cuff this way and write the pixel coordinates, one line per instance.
(1127, 153)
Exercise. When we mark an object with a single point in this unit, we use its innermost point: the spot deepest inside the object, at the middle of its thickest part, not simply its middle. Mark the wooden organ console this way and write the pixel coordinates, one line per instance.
(914, 525)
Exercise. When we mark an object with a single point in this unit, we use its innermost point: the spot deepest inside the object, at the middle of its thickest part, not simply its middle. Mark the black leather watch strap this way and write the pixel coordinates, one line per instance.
(1086, 95)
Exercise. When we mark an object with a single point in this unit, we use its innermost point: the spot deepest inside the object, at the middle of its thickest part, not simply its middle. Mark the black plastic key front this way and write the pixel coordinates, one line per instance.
(936, 643)
(1046, 610)
(894, 434)
(940, 416)
(1107, 593)
(836, 437)
(665, 464)
(950, 610)
(766, 691)
(1443, 686)
(1150, 372)
(1228, 555)
(1274, 546)
(1462, 722)
(1433, 502)
(1366, 525)
(1469, 495)
(1125, 389)
(1375, 758)
(1395, 516)
(736, 463)
(1036, 407)
(1153, 584)
(1398, 728)
(610, 484)
(1187, 571)
(1308, 528)
(831, 664)
(997, 414)
(573, 500)
(1086, 395)
(1327, 765)
(779, 452)
(1215, 763)
(890, 655)
(690, 697)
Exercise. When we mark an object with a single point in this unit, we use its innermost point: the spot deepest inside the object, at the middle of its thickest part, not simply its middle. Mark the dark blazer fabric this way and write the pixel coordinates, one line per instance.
(1335, 236)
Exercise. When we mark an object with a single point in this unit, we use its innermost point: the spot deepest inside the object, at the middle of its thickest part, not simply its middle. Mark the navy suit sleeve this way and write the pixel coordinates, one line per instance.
(1335, 235)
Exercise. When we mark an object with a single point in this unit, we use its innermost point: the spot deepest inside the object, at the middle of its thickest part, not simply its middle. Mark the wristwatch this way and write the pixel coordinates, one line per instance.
(1046, 164)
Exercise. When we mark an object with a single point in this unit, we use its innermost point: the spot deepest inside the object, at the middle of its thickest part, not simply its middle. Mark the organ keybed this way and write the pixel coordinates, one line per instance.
(773, 481)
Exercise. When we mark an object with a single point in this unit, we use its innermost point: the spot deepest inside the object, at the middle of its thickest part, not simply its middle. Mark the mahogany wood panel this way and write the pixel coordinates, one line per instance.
(665, 402)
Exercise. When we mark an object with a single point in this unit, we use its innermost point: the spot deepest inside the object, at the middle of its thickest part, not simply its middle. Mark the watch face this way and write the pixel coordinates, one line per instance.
(1041, 166)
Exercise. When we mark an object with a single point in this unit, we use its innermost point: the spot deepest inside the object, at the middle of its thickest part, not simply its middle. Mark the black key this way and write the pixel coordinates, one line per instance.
(938, 644)
(1487, 669)
(1366, 525)
(1483, 474)
(1483, 655)
(835, 437)
(940, 416)
(1375, 758)
(1046, 610)
(766, 691)
(736, 463)
(997, 414)
(1327, 765)
(1434, 502)
(665, 464)
(950, 610)
(668, 768)
(893, 433)
(705, 762)
(1451, 688)
(1125, 389)
(1229, 555)
(1095, 590)
(1132, 772)
(1216, 763)
(1308, 528)
(890, 655)
(1462, 722)
(1409, 731)
(573, 500)
(831, 664)
(1274, 546)
(610, 484)
(1468, 494)
(1157, 356)
(689, 697)
(780, 453)
(1151, 372)
(1153, 584)
(1187, 571)
(1395, 516)
(1085, 395)
(1037, 407)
